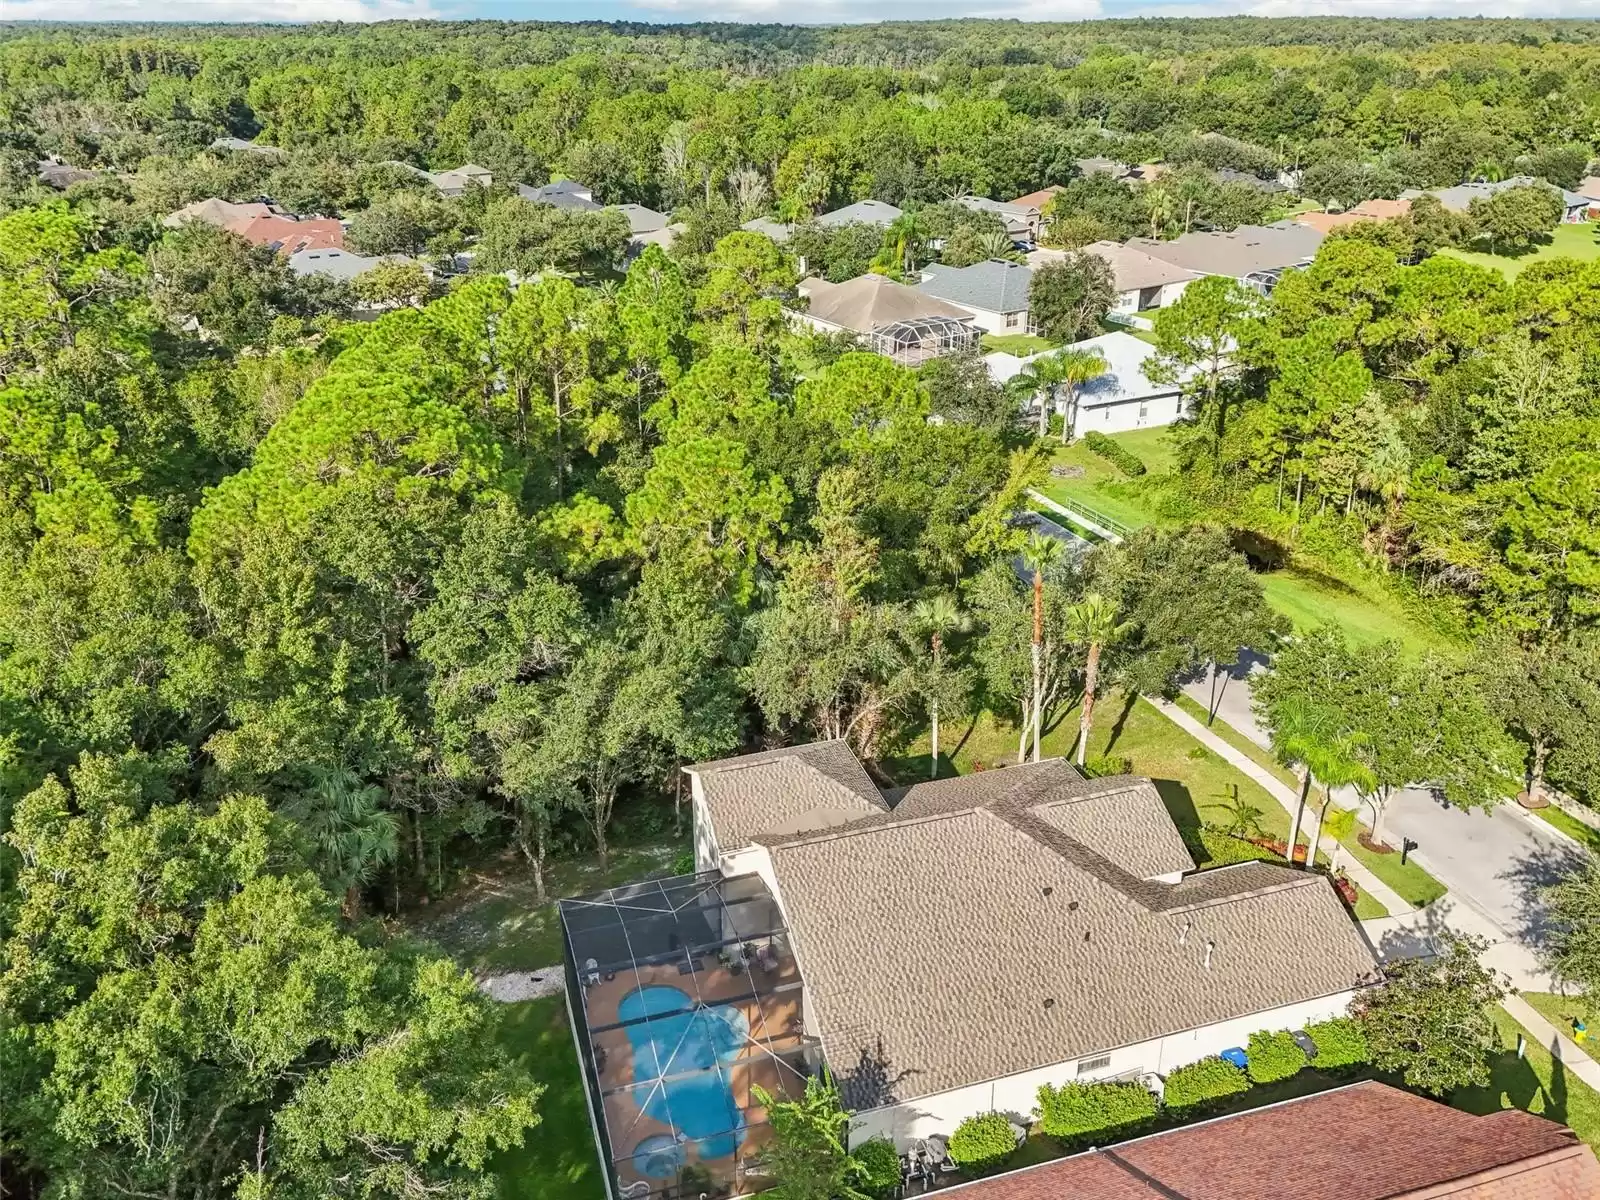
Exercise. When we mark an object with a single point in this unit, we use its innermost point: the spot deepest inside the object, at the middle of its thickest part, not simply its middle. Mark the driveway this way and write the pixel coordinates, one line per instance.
(1494, 863)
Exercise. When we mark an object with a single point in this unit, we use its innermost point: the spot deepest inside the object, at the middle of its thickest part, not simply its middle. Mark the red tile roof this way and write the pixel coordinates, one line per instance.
(1363, 1142)
(291, 237)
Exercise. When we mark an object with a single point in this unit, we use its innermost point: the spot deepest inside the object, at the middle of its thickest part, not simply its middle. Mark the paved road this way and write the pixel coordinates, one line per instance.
(1494, 863)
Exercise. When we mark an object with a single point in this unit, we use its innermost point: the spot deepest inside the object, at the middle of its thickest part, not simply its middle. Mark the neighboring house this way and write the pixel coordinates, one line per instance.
(1100, 165)
(1123, 398)
(862, 212)
(1367, 210)
(995, 292)
(60, 175)
(1148, 172)
(563, 193)
(1271, 187)
(239, 145)
(1143, 282)
(1575, 208)
(892, 319)
(960, 943)
(1364, 1141)
(263, 225)
(1253, 254)
(778, 231)
(1021, 220)
(456, 181)
(343, 265)
(1589, 189)
(1040, 198)
(646, 227)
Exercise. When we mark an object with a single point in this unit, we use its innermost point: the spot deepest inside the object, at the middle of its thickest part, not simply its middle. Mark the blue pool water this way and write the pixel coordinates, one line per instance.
(680, 1043)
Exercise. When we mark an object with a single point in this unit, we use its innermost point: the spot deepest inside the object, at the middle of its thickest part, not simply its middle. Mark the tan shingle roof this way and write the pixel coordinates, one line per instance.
(931, 939)
(870, 302)
(796, 790)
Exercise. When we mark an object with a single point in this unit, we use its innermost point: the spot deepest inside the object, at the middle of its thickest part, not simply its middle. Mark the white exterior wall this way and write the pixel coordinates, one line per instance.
(1168, 293)
(1018, 1094)
(993, 322)
(1124, 415)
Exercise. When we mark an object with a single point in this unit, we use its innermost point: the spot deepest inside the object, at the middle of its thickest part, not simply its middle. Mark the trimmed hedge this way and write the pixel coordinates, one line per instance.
(1108, 764)
(982, 1142)
(1114, 453)
(880, 1167)
(1077, 1109)
(1204, 1081)
(1273, 1056)
(1340, 1043)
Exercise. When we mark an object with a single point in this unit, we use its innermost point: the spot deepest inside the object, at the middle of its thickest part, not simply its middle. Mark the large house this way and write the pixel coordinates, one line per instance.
(1575, 207)
(942, 950)
(1123, 398)
(262, 225)
(1143, 282)
(1022, 221)
(453, 182)
(563, 193)
(995, 292)
(1367, 210)
(1365, 1141)
(862, 212)
(890, 318)
(1253, 254)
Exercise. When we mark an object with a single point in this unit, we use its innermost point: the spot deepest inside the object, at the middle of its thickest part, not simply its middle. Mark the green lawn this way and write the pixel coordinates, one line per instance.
(1363, 609)
(1560, 1012)
(1414, 885)
(1020, 344)
(557, 1160)
(1566, 241)
(1571, 826)
(1196, 785)
(1259, 755)
(1104, 487)
(495, 921)
(1535, 1083)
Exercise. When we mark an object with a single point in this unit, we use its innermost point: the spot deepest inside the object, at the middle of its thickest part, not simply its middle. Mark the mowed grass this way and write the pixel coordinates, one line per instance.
(1575, 829)
(1196, 785)
(1104, 487)
(558, 1159)
(1566, 241)
(1535, 1083)
(1414, 885)
(1364, 610)
(1020, 344)
(496, 922)
(1561, 1011)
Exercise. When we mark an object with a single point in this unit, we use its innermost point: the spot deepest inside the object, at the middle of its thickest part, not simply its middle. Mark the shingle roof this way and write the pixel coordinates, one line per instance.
(1040, 198)
(1366, 1141)
(1589, 188)
(1238, 252)
(1131, 269)
(222, 213)
(993, 286)
(1018, 887)
(778, 231)
(564, 193)
(795, 789)
(870, 302)
(1460, 197)
(1124, 380)
(339, 264)
(642, 219)
(868, 212)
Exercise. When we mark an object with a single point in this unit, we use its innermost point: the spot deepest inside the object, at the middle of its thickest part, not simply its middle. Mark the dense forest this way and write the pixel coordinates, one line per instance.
(300, 609)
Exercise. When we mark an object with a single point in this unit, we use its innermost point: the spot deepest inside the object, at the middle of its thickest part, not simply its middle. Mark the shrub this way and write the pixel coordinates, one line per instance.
(1202, 1082)
(982, 1142)
(1093, 1108)
(684, 863)
(1340, 1043)
(1273, 1056)
(1098, 768)
(1114, 453)
(880, 1167)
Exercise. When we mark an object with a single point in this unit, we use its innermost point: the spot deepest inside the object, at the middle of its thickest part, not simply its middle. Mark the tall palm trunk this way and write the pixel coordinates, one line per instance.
(933, 711)
(1091, 677)
(1299, 811)
(1070, 417)
(1038, 644)
(1044, 411)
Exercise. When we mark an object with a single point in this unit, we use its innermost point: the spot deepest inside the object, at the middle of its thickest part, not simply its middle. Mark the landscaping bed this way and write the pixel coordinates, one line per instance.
(1414, 885)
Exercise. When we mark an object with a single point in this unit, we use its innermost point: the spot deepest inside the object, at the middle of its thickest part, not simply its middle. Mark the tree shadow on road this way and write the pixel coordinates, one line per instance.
(1531, 876)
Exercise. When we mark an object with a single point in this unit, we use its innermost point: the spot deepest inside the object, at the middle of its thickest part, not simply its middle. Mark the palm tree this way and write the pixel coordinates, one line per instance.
(1076, 368)
(909, 237)
(937, 616)
(1159, 207)
(1039, 379)
(1093, 623)
(350, 833)
(1301, 733)
(1039, 553)
(997, 243)
(1334, 760)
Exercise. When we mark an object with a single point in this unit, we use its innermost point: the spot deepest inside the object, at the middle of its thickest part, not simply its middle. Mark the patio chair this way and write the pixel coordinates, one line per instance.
(591, 972)
(635, 1190)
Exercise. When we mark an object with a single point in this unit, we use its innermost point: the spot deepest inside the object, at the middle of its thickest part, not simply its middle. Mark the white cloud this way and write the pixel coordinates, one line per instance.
(843, 12)
(216, 10)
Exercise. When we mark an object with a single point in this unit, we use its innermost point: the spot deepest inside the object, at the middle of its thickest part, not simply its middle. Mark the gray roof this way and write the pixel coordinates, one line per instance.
(1239, 252)
(1100, 165)
(60, 175)
(563, 193)
(866, 212)
(642, 219)
(1460, 197)
(994, 286)
(338, 264)
(1132, 269)
(796, 789)
(1229, 175)
(778, 231)
(931, 938)
(1124, 380)
(1017, 218)
(233, 143)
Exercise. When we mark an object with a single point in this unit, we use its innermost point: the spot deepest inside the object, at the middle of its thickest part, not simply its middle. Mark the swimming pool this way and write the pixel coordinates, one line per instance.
(678, 1044)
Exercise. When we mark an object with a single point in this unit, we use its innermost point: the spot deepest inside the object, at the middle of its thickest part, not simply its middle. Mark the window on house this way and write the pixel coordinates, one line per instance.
(1093, 1064)
(1013, 320)
(1144, 411)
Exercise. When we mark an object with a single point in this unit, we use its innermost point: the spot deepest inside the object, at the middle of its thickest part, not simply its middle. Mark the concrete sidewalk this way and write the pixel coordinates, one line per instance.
(1560, 1046)
(1283, 794)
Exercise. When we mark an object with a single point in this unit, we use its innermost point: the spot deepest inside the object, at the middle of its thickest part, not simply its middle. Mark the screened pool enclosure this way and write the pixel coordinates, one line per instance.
(686, 1000)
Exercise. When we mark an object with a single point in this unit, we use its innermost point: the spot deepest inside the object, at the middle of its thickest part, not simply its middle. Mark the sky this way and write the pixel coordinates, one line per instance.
(811, 12)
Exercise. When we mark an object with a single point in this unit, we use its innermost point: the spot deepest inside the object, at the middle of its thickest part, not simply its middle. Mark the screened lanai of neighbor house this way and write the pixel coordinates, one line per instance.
(685, 1000)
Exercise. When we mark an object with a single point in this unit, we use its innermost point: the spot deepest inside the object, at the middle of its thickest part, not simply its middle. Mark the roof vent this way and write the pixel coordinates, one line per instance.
(1085, 935)
(1048, 890)
(1210, 946)
(1183, 935)
(1049, 1001)
(1072, 906)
